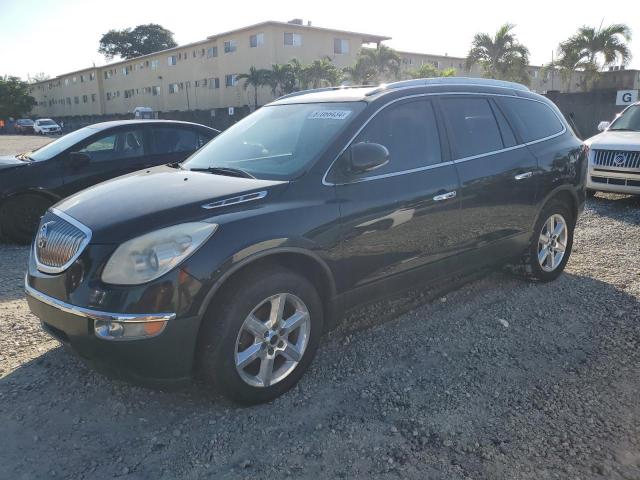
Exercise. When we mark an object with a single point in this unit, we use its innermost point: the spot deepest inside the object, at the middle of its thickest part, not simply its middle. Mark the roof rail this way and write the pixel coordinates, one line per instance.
(324, 89)
(421, 82)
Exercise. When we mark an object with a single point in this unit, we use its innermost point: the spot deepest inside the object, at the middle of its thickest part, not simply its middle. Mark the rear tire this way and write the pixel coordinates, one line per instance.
(260, 335)
(20, 216)
(550, 246)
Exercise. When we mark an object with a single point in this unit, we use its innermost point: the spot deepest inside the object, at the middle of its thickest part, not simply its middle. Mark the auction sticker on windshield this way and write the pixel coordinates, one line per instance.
(329, 114)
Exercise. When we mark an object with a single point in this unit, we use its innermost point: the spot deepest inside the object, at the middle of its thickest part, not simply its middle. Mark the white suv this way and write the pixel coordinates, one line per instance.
(614, 154)
(46, 125)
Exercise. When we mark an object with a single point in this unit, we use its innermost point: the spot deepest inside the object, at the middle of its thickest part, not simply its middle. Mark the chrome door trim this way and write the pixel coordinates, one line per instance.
(450, 162)
(83, 228)
(445, 196)
(247, 197)
(522, 176)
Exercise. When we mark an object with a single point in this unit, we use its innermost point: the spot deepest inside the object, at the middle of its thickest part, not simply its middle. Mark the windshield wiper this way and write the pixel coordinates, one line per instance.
(229, 171)
(24, 157)
(624, 130)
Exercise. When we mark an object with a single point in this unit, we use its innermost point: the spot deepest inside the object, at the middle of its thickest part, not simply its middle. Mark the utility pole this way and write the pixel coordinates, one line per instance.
(553, 69)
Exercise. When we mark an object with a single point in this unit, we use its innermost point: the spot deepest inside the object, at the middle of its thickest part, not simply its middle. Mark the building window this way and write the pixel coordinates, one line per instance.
(230, 46)
(81, 78)
(125, 71)
(256, 40)
(202, 52)
(292, 39)
(214, 83)
(66, 81)
(173, 88)
(75, 79)
(76, 100)
(85, 98)
(155, 90)
(93, 98)
(340, 46)
(231, 80)
(92, 76)
(155, 64)
(212, 52)
(172, 60)
(108, 95)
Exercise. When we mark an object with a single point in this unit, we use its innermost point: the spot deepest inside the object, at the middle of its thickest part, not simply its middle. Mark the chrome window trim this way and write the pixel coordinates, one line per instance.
(84, 229)
(248, 197)
(95, 314)
(441, 164)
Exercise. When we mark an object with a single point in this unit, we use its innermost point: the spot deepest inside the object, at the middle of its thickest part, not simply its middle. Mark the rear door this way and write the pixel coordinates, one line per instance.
(111, 153)
(498, 177)
(403, 217)
(170, 144)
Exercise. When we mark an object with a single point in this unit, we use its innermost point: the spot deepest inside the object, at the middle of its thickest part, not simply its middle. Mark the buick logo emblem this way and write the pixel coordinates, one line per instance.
(620, 159)
(42, 235)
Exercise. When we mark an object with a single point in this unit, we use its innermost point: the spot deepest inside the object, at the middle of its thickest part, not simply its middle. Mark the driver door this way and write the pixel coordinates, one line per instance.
(110, 154)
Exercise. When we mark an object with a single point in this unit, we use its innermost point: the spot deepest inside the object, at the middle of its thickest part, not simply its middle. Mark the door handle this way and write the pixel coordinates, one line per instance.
(522, 176)
(445, 196)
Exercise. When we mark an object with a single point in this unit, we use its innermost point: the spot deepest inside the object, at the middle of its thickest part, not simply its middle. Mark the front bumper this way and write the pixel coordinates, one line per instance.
(164, 358)
(617, 181)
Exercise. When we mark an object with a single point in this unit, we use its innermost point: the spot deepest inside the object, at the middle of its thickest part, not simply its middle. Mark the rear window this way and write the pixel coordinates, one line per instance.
(534, 120)
(472, 126)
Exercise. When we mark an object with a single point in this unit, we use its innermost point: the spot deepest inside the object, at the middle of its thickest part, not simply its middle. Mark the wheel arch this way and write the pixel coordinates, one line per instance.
(564, 194)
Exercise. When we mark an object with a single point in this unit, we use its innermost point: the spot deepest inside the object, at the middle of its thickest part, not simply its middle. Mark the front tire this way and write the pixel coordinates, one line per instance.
(551, 243)
(261, 335)
(20, 216)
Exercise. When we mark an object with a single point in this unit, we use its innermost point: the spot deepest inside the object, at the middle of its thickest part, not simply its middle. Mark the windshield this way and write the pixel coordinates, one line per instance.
(46, 122)
(277, 142)
(52, 149)
(628, 120)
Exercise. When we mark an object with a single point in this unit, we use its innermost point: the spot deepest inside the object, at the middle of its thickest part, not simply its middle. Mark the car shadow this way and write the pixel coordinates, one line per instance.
(54, 401)
(617, 206)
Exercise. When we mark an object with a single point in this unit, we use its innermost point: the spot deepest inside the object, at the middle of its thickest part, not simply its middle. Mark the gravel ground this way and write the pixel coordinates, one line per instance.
(11, 144)
(496, 379)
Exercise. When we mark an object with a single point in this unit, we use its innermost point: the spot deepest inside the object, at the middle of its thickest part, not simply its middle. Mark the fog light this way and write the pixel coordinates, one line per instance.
(111, 330)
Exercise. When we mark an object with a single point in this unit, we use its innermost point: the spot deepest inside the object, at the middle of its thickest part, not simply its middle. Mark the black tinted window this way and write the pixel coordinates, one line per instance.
(472, 126)
(534, 120)
(117, 145)
(172, 140)
(410, 133)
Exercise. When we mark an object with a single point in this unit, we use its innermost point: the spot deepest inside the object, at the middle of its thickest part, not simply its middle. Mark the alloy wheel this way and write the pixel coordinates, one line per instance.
(552, 242)
(272, 340)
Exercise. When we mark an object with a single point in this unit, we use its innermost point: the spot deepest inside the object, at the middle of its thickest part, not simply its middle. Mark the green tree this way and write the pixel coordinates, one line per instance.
(501, 56)
(383, 61)
(15, 100)
(130, 43)
(256, 78)
(282, 79)
(361, 72)
(601, 46)
(321, 73)
(38, 77)
(428, 71)
(566, 64)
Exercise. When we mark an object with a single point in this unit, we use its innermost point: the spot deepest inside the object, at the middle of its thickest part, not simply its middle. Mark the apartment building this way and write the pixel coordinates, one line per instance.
(198, 76)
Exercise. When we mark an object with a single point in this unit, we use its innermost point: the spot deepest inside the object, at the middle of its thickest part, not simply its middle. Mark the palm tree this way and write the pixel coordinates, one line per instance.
(256, 78)
(321, 72)
(567, 63)
(361, 73)
(384, 61)
(428, 70)
(281, 79)
(500, 56)
(607, 44)
(299, 74)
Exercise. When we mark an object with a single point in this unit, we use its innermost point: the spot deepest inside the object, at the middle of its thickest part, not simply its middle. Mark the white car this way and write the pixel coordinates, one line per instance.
(46, 125)
(614, 154)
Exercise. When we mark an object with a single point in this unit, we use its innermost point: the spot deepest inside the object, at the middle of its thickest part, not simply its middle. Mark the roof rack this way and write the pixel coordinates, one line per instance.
(421, 82)
(324, 89)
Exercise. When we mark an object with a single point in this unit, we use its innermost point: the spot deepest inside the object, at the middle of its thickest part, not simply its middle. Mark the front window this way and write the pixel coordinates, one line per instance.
(277, 142)
(52, 149)
(628, 121)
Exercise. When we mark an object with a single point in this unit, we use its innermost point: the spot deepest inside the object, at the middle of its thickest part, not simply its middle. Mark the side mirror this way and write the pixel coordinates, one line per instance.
(78, 160)
(365, 157)
(602, 126)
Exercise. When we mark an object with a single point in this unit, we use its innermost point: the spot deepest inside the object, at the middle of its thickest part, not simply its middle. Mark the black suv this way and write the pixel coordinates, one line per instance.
(33, 181)
(235, 262)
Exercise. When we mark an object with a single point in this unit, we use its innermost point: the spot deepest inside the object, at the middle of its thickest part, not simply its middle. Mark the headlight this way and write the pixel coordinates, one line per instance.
(150, 256)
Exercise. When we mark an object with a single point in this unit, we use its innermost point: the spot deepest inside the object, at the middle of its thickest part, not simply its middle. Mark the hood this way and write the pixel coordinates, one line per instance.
(8, 161)
(144, 201)
(612, 140)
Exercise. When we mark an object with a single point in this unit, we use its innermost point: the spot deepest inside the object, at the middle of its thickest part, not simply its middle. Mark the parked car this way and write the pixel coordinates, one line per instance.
(614, 154)
(233, 263)
(23, 126)
(31, 182)
(44, 126)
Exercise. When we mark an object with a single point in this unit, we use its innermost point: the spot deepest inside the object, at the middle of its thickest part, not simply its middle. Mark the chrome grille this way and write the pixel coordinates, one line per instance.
(59, 241)
(616, 159)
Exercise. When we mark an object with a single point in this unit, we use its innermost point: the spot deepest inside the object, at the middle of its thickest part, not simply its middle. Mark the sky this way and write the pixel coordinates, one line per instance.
(61, 36)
